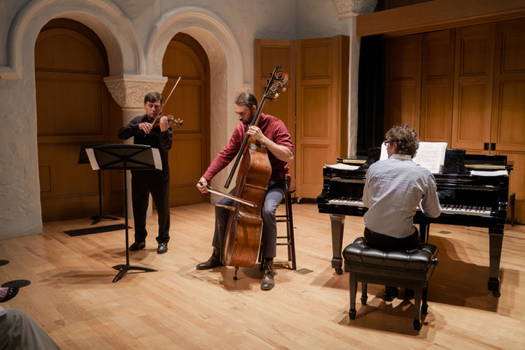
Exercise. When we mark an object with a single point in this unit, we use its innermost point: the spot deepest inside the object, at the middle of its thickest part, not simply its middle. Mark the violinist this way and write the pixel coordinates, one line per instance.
(146, 131)
(273, 134)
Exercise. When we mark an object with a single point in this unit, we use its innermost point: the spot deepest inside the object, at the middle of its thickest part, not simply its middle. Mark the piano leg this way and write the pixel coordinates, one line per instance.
(338, 225)
(495, 245)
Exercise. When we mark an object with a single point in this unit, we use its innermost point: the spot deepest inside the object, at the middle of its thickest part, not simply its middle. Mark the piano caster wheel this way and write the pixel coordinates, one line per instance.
(417, 325)
(339, 270)
(352, 314)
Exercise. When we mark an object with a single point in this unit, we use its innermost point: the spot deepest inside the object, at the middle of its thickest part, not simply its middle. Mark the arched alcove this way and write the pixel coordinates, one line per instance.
(224, 55)
(21, 210)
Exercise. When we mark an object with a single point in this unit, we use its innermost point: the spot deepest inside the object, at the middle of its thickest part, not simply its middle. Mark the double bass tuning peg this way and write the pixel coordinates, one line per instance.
(276, 95)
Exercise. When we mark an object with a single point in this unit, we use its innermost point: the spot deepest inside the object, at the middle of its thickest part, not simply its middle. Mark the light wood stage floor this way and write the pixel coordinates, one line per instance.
(178, 307)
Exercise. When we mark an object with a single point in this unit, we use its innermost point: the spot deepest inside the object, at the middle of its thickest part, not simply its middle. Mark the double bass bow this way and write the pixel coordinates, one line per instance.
(242, 237)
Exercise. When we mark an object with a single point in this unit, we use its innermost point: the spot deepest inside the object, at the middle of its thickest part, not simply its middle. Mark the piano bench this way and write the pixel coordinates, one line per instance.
(408, 269)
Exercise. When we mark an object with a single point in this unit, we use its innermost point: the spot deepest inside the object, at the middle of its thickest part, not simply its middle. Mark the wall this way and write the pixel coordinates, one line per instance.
(135, 34)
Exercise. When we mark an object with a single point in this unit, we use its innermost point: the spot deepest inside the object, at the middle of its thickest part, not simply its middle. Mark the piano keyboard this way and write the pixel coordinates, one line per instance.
(446, 208)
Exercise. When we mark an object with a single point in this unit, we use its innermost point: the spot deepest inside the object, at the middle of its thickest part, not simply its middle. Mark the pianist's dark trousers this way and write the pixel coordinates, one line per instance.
(387, 243)
(144, 183)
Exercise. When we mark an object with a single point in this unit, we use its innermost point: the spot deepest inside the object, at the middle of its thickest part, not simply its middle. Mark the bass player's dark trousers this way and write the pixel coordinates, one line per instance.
(143, 183)
(273, 198)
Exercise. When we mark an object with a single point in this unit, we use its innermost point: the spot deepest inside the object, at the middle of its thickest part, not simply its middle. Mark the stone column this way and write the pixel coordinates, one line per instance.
(347, 11)
(129, 91)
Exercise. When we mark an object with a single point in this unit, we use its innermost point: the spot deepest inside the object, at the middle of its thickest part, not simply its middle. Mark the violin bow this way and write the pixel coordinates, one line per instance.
(167, 98)
(172, 89)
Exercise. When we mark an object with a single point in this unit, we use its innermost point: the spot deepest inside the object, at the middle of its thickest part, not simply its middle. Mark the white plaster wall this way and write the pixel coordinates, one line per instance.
(127, 28)
(317, 19)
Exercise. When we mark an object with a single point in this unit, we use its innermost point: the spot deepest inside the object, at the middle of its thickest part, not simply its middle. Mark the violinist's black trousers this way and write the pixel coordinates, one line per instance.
(274, 196)
(143, 183)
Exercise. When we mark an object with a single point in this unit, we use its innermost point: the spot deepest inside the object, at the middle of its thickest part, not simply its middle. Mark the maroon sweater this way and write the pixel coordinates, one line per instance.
(273, 128)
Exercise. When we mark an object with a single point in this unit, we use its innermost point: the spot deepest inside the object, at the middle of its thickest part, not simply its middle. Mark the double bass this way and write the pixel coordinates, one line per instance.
(243, 233)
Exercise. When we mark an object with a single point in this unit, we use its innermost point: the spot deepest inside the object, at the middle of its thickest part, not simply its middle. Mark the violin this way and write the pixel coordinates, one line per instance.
(171, 120)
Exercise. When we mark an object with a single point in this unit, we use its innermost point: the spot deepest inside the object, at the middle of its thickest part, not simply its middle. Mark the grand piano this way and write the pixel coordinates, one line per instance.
(466, 200)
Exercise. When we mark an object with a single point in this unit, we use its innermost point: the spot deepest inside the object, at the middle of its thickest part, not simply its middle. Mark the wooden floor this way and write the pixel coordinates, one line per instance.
(72, 297)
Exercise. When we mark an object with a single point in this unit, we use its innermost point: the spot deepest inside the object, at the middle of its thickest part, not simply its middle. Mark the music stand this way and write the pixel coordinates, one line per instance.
(83, 159)
(125, 157)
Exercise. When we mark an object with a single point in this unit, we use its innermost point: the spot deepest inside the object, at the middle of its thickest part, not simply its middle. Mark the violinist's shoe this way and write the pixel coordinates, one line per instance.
(162, 248)
(213, 261)
(267, 282)
(137, 246)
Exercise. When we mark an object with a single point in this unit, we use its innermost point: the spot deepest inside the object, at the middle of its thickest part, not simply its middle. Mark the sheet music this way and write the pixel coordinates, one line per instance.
(430, 155)
(92, 160)
(490, 172)
(342, 166)
(156, 158)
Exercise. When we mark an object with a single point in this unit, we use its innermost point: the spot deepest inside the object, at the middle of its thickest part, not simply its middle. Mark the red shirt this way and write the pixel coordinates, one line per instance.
(273, 128)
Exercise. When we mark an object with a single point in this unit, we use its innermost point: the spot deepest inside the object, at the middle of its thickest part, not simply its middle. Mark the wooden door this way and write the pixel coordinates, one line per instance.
(508, 112)
(322, 109)
(473, 86)
(189, 155)
(268, 54)
(437, 82)
(403, 81)
(72, 108)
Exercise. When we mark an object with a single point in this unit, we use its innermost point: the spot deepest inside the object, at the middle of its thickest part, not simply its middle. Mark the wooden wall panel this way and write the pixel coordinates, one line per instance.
(403, 81)
(508, 113)
(483, 67)
(72, 109)
(315, 107)
(322, 108)
(473, 86)
(268, 54)
(437, 86)
(189, 155)
(509, 101)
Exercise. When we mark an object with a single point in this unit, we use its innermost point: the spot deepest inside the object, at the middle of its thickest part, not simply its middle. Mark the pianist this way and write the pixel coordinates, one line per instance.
(394, 188)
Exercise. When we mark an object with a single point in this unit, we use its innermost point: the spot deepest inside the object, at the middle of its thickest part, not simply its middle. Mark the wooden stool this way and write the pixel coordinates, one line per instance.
(288, 218)
(409, 269)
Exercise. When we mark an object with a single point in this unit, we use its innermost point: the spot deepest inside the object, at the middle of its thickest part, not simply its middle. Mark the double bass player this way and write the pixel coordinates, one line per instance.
(273, 134)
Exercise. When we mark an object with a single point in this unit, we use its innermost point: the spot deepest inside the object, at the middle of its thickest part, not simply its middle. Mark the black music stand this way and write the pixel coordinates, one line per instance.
(125, 157)
(83, 159)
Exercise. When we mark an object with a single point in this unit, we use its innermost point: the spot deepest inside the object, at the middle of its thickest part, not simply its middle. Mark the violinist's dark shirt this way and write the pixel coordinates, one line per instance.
(156, 139)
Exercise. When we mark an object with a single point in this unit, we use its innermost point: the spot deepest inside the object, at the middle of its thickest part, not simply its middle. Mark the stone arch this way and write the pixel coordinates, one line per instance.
(111, 25)
(224, 55)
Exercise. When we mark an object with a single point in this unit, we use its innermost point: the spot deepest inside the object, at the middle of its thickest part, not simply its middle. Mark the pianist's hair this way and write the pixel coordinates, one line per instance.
(246, 99)
(405, 138)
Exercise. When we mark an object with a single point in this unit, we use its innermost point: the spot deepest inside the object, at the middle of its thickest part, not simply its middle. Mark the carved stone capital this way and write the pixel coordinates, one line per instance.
(346, 8)
(129, 90)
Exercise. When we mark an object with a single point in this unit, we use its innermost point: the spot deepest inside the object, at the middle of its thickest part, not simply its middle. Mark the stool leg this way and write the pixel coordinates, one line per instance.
(417, 305)
(364, 296)
(424, 307)
(353, 291)
(290, 231)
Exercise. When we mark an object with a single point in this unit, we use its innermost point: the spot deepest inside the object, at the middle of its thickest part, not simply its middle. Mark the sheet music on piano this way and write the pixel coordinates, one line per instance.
(430, 155)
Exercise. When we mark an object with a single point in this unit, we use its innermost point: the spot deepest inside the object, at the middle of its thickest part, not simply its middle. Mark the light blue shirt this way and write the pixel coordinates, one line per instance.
(394, 188)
